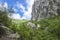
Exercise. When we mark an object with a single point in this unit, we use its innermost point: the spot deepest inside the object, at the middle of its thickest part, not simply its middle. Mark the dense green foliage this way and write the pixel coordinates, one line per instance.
(49, 28)
(4, 20)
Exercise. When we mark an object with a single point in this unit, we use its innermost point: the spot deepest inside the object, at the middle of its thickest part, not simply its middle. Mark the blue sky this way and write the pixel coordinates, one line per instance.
(22, 8)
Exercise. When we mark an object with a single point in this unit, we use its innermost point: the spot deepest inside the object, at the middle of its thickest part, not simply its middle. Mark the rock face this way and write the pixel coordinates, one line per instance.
(32, 25)
(45, 8)
(8, 34)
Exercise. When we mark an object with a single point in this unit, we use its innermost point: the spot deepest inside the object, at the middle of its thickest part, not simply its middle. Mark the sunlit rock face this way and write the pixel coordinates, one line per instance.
(45, 9)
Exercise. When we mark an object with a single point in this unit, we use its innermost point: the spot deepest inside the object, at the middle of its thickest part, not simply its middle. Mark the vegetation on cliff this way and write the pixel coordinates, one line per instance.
(49, 28)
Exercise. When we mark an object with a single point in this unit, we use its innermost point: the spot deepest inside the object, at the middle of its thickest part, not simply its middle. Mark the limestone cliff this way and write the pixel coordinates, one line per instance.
(45, 9)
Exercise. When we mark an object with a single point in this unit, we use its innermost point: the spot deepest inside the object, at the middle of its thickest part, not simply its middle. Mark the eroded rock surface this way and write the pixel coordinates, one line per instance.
(8, 34)
(45, 9)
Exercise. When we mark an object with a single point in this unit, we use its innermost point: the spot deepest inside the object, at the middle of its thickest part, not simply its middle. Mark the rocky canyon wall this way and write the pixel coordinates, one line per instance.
(45, 9)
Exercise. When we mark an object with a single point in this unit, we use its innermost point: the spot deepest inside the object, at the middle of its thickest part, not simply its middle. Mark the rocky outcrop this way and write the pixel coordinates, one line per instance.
(32, 25)
(45, 9)
(8, 34)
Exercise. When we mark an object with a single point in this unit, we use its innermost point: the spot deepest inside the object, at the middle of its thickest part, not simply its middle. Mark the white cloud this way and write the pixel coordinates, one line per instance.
(16, 16)
(27, 14)
(23, 18)
(0, 4)
(22, 8)
(15, 10)
(5, 5)
(29, 2)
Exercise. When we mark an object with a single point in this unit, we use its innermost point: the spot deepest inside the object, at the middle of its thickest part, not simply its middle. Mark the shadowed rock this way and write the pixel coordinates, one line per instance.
(8, 34)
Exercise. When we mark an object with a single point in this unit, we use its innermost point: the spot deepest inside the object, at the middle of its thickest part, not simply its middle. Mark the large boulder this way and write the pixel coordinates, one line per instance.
(32, 25)
(8, 34)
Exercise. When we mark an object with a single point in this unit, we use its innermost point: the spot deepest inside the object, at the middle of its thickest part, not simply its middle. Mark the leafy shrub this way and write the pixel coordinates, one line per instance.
(49, 30)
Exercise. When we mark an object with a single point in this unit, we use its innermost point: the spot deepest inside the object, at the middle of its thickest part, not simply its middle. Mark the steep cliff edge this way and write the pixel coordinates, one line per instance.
(45, 9)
